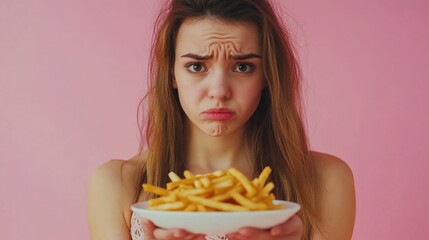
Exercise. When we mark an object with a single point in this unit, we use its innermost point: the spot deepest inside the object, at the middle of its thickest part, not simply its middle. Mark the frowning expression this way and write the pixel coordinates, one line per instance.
(218, 74)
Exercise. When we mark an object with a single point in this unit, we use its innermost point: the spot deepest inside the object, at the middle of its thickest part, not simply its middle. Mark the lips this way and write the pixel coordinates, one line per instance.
(218, 114)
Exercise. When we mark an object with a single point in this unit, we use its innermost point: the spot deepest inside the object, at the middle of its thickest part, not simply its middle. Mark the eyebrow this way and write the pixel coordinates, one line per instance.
(235, 57)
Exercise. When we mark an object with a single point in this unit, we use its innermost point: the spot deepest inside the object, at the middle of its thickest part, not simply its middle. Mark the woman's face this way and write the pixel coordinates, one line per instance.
(218, 74)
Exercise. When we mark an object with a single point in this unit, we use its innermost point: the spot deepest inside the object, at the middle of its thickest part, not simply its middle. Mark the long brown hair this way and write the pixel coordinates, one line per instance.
(275, 133)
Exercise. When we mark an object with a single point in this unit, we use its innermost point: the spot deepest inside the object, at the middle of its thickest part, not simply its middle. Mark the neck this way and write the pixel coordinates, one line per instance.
(206, 153)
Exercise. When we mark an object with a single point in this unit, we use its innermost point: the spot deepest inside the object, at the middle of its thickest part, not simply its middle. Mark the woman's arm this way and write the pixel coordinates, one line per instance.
(106, 201)
(337, 196)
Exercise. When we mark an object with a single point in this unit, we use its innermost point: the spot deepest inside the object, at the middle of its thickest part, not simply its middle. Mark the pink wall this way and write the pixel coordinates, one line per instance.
(72, 72)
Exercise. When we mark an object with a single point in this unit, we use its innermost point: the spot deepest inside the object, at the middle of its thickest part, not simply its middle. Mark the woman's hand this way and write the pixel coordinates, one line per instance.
(289, 230)
(152, 232)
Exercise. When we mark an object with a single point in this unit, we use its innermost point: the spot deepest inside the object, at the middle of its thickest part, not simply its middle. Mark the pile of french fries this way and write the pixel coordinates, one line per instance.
(216, 191)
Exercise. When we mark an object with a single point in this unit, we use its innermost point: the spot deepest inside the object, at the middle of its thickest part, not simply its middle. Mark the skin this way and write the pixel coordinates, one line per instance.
(209, 75)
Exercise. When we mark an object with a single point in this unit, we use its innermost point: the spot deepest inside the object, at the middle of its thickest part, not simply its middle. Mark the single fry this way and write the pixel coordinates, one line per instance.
(171, 197)
(218, 173)
(155, 189)
(170, 206)
(227, 195)
(248, 203)
(264, 175)
(188, 174)
(217, 205)
(197, 191)
(198, 184)
(267, 189)
(173, 185)
(243, 179)
(173, 177)
(256, 183)
(205, 181)
(222, 178)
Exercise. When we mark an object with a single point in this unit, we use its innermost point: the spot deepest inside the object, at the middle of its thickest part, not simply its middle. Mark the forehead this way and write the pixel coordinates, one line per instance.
(200, 34)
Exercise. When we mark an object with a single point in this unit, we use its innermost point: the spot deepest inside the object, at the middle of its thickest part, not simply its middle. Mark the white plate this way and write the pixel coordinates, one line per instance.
(216, 223)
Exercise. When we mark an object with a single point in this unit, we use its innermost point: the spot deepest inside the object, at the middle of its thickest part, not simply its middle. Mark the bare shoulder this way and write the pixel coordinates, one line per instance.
(113, 177)
(117, 176)
(111, 191)
(330, 167)
(336, 195)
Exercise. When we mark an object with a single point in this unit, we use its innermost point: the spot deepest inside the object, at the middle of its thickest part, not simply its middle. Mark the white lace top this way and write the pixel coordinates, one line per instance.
(137, 231)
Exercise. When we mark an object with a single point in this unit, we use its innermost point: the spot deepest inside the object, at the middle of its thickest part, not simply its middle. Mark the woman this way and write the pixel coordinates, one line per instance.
(225, 93)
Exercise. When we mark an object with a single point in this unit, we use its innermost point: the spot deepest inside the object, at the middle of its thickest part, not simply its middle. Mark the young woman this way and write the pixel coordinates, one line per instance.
(225, 93)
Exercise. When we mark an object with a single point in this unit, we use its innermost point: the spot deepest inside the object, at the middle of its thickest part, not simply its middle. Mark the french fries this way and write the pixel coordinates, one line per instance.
(228, 191)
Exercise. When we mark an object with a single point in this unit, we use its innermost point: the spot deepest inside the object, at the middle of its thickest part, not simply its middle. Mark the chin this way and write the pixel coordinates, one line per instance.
(217, 131)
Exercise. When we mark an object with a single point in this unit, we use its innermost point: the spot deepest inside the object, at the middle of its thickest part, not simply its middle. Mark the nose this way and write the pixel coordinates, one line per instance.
(219, 86)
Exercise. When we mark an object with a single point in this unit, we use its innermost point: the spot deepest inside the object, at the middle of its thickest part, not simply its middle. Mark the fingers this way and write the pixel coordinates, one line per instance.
(291, 228)
(253, 233)
(249, 233)
(148, 228)
(152, 232)
(170, 234)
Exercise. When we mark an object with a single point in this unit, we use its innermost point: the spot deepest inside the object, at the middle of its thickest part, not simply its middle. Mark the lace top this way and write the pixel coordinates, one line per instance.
(137, 231)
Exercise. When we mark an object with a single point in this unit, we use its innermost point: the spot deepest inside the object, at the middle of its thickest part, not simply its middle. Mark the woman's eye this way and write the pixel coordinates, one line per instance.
(244, 67)
(195, 67)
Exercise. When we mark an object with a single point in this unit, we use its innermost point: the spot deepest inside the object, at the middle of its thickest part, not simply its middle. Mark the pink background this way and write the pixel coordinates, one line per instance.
(72, 73)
